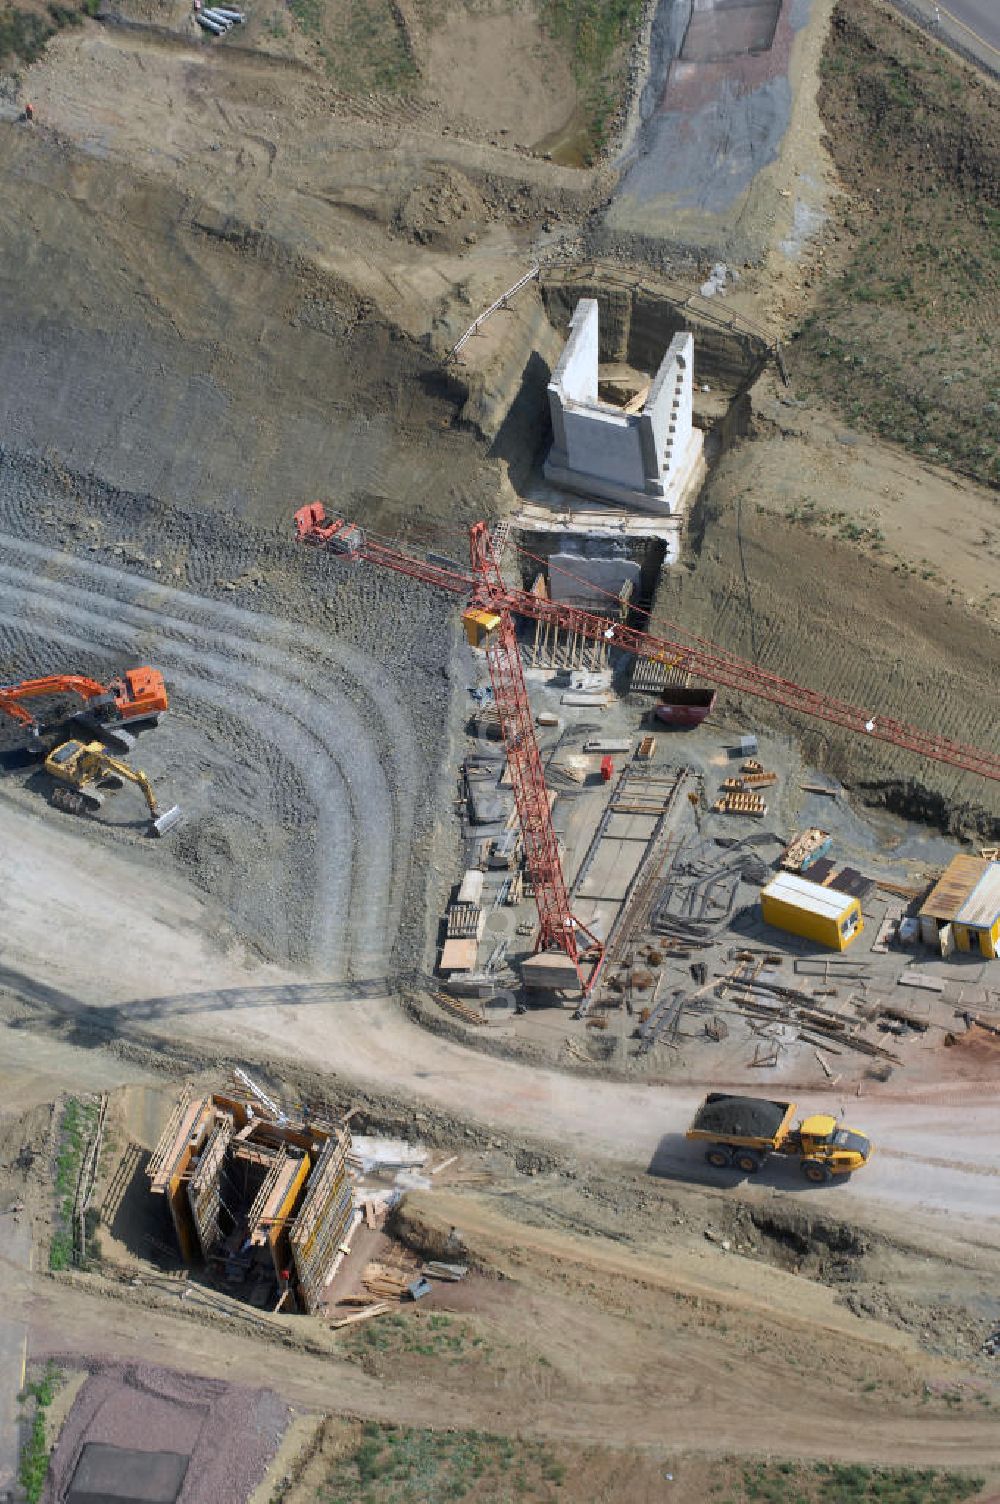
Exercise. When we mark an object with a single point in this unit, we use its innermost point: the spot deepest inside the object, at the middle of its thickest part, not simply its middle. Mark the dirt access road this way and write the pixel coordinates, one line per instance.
(936, 1155)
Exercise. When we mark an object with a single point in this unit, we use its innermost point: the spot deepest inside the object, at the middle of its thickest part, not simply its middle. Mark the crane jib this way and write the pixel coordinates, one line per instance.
(484, 585)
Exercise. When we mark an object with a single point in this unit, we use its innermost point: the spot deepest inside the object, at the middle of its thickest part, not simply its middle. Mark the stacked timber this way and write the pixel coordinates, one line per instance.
(740, 803)
(465, 921)
(386, 1281)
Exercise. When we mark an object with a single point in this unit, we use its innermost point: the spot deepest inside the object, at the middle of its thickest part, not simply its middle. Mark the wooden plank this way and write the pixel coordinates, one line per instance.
(369, 1311)
(920, 979)
(901, 890)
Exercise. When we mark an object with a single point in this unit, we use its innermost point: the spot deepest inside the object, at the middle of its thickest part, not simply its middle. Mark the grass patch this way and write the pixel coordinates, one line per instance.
(24, 33)
(34, 1463)
(595, 34)
(376, 1463)
(853, 1483)
(361, 42)
(436, 1336)
(901, 342)
(848, 527)
(79, 1120)
(401, 1465)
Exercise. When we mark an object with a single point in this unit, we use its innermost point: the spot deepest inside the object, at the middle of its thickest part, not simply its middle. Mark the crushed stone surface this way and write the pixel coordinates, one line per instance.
(229, 1432)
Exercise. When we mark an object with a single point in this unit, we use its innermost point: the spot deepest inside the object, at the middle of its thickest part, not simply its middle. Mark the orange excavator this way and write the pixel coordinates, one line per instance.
(138, 695)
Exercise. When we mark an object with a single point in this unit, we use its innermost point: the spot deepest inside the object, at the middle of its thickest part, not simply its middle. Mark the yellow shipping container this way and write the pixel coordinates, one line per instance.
(799, 907)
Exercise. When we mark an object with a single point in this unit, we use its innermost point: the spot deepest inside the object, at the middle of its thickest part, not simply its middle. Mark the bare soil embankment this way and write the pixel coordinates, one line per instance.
(824, 613)
(902, 340)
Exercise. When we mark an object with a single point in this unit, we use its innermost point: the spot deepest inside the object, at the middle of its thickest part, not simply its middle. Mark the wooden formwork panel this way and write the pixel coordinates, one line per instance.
(324, 1219)
(203, 1193)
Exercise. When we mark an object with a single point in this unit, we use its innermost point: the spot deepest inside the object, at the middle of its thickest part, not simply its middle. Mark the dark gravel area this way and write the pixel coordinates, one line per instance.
(230, 1433)
(748, 1117)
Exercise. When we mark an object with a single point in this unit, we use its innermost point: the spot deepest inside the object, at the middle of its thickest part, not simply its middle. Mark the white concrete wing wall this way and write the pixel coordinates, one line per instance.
(644, 460)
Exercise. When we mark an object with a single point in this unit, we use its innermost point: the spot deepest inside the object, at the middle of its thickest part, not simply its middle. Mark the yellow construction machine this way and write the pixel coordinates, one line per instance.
(85, 772)
(742, 1131)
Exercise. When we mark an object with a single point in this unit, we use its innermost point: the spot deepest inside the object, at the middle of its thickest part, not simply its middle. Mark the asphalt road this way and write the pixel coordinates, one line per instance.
(971, 25)
(981, 17)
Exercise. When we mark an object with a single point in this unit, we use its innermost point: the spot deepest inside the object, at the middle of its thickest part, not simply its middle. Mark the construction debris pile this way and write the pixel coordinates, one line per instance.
(698, 896)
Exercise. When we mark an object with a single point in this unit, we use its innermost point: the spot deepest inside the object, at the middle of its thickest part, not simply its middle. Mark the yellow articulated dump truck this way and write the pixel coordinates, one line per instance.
(742, 1131)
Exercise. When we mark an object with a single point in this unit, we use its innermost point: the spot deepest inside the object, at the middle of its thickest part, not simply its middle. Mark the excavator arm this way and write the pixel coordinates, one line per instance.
(97, 764)
(14, 697)
(80, 766)
(138, 694)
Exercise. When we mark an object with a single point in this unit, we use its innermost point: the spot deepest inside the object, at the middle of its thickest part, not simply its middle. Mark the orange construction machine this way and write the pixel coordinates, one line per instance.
(138, 695)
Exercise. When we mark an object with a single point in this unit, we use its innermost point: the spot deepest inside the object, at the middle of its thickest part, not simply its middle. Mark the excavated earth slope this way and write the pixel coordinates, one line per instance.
(310, 708)
(818, 611)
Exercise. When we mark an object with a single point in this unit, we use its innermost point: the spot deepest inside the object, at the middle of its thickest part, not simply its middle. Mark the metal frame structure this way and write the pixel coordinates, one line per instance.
(491, 605)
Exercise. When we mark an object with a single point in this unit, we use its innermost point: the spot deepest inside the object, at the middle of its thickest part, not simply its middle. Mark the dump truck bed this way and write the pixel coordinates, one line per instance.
(751, 1121)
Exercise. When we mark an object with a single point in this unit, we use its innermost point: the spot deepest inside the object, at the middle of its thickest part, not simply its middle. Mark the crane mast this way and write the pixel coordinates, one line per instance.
(488, 619)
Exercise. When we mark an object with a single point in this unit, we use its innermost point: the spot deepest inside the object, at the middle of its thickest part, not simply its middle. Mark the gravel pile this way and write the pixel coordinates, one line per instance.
(746, 1117)
(230, 1433)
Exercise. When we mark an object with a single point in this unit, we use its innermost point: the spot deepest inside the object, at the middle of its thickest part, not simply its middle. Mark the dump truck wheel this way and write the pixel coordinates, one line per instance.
(719, 1157)
(816, 1171)
(747, 1161)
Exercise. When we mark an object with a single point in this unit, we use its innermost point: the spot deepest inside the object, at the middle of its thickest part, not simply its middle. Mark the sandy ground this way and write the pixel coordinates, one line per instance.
(262, 272)
(932, 1160)
(940, 526)
(638, 1344)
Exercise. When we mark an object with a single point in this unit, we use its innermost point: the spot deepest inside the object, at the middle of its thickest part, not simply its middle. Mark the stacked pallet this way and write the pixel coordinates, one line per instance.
(387, 1281)
(465, 921)
(740, 803)
(750, 781)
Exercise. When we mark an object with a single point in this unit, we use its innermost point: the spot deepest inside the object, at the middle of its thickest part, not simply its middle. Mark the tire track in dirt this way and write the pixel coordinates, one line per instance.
(198, 676)
(363, 811)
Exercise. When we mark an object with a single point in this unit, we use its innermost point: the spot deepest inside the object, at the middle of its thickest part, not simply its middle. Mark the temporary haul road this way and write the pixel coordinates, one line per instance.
(935, 1149)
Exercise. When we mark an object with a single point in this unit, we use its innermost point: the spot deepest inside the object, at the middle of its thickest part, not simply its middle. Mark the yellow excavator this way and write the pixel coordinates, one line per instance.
(85, 772)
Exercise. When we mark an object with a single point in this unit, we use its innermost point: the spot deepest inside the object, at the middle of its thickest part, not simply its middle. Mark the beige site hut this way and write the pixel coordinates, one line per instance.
(962, 910)
(799, 907)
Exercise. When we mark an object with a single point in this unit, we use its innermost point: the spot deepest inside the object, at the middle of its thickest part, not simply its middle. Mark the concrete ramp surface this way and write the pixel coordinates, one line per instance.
(715, 111)
(119, 1475)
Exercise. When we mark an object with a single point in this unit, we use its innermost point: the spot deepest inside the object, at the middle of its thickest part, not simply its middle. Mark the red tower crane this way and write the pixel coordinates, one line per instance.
(488, 619)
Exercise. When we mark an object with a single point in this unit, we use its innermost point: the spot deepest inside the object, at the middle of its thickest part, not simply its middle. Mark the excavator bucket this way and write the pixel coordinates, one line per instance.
(162, 823)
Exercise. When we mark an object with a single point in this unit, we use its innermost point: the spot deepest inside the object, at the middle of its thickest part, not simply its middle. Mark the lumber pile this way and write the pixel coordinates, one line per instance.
(438, 1269)
(745, 781)
(745, 803)
(804, 848)
(387, 1282)
(460, 1009)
